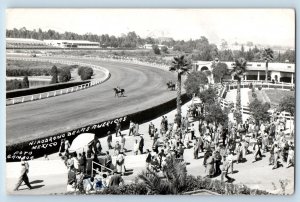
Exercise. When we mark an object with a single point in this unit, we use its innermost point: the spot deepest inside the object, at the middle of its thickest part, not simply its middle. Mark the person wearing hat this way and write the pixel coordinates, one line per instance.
(23, 175)
(109, 140)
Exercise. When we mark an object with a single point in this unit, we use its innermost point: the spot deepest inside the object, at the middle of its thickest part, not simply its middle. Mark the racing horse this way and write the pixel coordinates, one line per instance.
(119, 92)
(171, 85)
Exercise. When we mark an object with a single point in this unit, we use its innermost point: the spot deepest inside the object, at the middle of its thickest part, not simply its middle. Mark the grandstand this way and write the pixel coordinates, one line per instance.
(24, 43)
(72, 43)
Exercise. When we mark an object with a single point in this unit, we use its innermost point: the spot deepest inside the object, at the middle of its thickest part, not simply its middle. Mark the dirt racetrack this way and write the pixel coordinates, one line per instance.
(145, 87)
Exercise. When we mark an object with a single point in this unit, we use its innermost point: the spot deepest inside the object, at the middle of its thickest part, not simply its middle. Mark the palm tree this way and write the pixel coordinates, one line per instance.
(181, 65)
(174, 181)
(238, 71)
(267, 55)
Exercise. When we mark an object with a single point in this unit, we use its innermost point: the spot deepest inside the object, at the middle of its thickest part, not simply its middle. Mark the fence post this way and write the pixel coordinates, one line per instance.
(61, 92)
(76, 88)
(92, 168)
(31, 97)
(72, 89)
(47, 94)
(54, 93)
(22, 99)
(13, 101)
(67, 90)
(41, 96)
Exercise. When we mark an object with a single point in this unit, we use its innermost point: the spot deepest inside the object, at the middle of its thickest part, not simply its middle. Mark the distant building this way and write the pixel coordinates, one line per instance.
(21, 42)
(279, 72)
(72, 43)
(149, 46)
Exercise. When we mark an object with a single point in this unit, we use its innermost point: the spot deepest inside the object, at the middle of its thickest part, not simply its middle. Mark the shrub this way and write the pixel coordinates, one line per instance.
(192, 184)
(85, 73)
(259, 87)
(25, 83)
(14, 84)
(251, 86)
(64, 74)
(54, 73)
(254, 95)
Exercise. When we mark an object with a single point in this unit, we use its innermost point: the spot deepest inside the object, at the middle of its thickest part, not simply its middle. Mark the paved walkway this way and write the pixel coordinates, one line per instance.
(255, 175)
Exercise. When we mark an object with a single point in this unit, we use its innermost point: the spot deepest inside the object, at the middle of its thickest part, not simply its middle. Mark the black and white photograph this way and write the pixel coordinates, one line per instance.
(140, 101)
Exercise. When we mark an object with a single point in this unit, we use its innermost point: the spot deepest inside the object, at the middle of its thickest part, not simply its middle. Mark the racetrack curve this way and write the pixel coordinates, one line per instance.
(144, 86)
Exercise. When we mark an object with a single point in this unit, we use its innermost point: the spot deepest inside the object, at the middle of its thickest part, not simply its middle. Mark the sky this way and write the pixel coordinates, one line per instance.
(261, 26)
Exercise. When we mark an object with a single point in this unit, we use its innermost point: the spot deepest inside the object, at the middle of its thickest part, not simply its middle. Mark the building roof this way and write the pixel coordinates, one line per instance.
(71, 41)
(23, 40)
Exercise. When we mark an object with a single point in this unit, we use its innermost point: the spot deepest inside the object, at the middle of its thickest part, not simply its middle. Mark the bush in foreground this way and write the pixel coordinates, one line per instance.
(192, 184)
(85, 73)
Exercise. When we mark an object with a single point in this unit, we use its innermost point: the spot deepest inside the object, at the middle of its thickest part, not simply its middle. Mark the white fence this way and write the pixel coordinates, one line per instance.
(28, 98)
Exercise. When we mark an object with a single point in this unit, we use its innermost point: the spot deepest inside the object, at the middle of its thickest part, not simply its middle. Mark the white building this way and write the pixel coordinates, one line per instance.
(72, 43)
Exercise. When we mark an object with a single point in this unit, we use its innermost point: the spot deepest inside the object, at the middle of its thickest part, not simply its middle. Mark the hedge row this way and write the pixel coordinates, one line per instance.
(193, 184)
(42, 89)
(15, 84)
(27, 71)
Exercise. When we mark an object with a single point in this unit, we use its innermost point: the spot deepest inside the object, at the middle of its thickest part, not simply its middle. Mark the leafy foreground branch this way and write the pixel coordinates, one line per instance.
(176, 181)
(193, 184)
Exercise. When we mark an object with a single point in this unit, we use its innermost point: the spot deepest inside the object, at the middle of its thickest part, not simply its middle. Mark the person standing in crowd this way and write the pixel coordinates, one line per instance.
(141, 145)
(291, 157)
(23, 175)
(61, 147)
(82, 162)
(192, 132)
(136, 129)
(71, 185)
(89, 152)
(108, 158)
(226, 166)
(120, 163)
(218, 161)
(79, 181)
(116, 180)
(109, 140)
(257, 151)
(196, 149)
(136, 147)
(209, 165)
(123, 140)
(67, 146)
(118, 128)
(75, 161)
(239, 153)
(98, 147)
(276, 156)
(271, 159)
(148, 158)
(117, 148)
(166, 123)
(131, 128)
(151, 130)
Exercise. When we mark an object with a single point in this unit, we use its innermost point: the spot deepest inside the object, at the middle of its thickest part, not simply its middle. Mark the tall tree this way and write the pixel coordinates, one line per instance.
(25, 83)
(219, 71)
(238, 72)
(267, 55)
(194, 81)
(54, 74)
(181, 65)
(259, 110)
